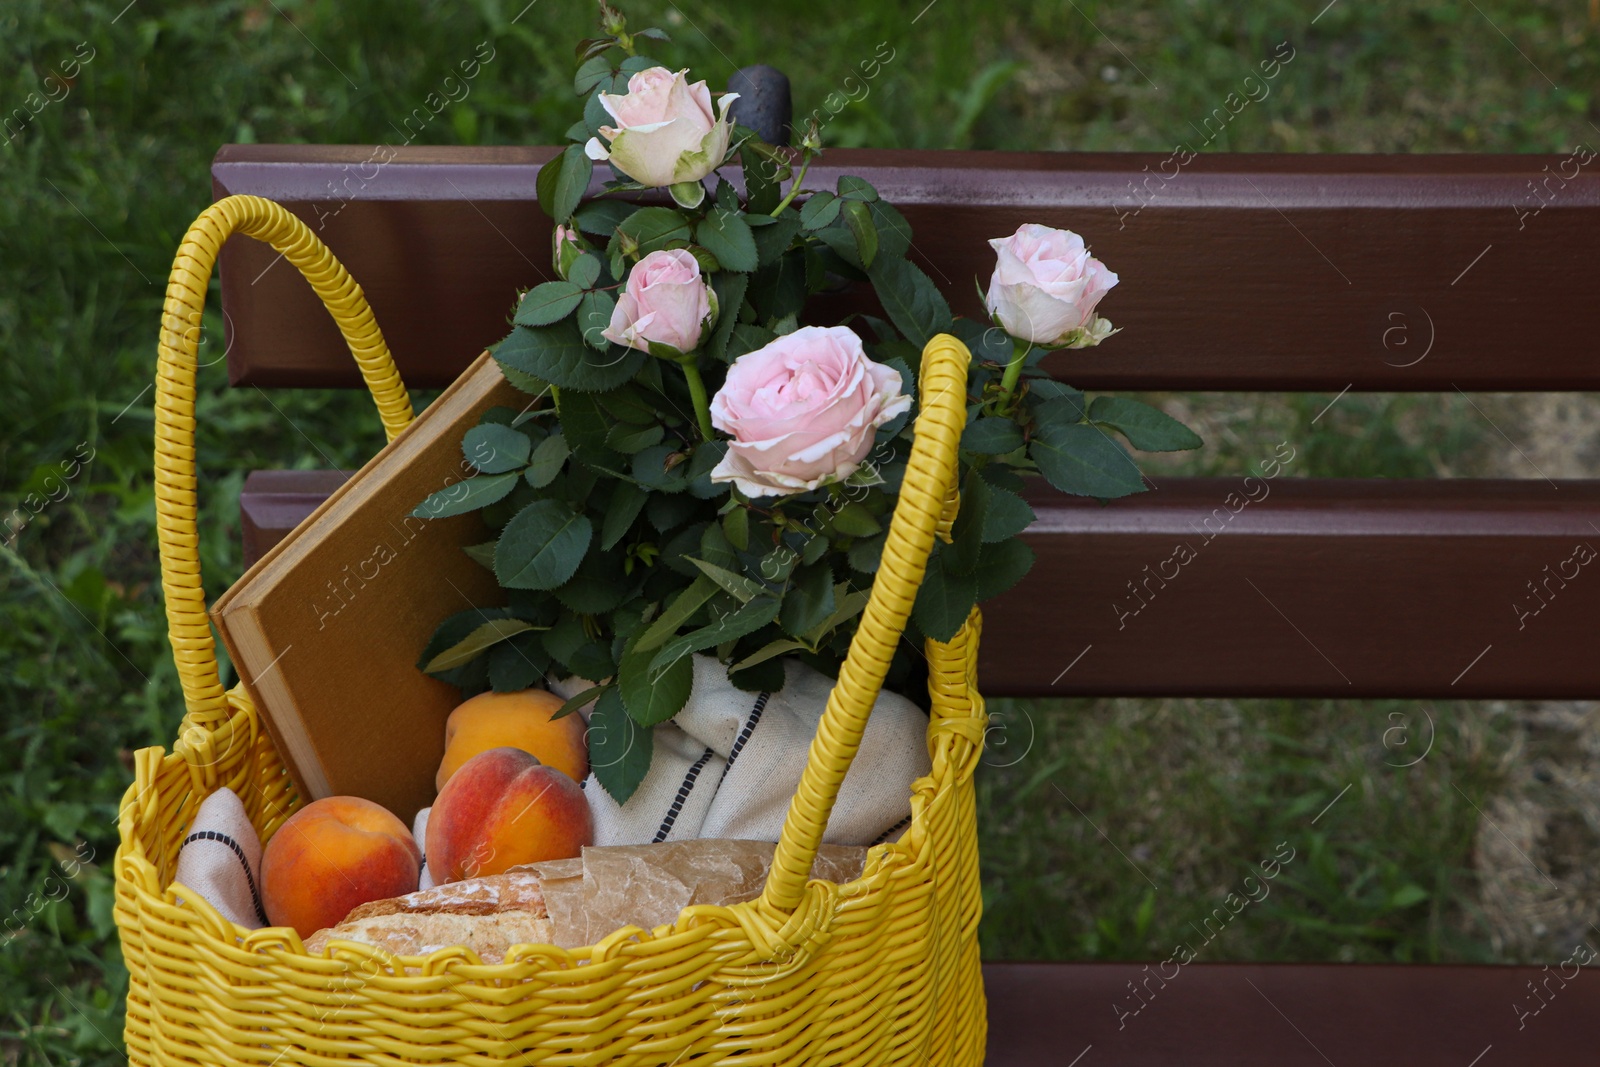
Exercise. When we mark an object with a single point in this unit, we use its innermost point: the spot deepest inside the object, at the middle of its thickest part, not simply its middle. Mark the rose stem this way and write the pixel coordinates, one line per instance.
(1008, 384)
(697, 393)
(805, 164)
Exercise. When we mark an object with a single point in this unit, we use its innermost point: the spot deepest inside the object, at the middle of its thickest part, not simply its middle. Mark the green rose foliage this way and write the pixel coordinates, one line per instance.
(620, 558)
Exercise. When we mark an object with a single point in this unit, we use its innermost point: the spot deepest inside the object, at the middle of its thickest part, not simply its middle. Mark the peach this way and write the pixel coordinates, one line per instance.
(332, 856)
(516, 720)
(501, 809)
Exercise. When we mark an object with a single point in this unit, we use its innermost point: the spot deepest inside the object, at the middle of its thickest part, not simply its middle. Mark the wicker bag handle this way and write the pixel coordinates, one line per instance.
(188, 627)
(926, 507)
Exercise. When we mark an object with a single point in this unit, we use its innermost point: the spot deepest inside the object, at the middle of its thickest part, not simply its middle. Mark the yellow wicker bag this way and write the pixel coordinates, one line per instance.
(882, 970)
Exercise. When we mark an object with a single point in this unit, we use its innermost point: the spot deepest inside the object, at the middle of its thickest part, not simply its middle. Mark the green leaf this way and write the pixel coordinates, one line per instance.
(653, 697)
(865, 554)
(894, 232)
(558, 355)
(517, 664)
(729, 287)
(966, 534)
(765, 677)
(594, 315)
(735, 624)
(853, 188)
(991, 436)
(627, 500)
(1008, 515)
(547, 303)
(1080, 459)
(483, 554)
(854, 520)
(726, 236)
(761, 182)
(619, 748)
(654, 228)
(600, 586)
(773, 240)
(780, 289)
(912, 301)
(585, 270)
(591, 74)
(541, 546)
(677, 613)
(744, 589)
(650, 469)
(547, 460)
(851, 602)
(747, 338)
(1145, 427)
(628, 439)
(601, 218)
(820, 210)
(563, 181)
(490, 633)
(736, 526)
(766, 652)
(1060, 407)
(578, 700)
(526, 382)
(473, 675)
(859, 220)
(944, 601)
(495, 449)
(670, 511)
(1001, 566)
(809, 599)
(465, 496)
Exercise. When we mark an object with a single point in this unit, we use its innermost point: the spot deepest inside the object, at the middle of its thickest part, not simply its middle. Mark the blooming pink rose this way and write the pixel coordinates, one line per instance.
(665, 301)
(802, 411)
(666, 132)
(1045, 288)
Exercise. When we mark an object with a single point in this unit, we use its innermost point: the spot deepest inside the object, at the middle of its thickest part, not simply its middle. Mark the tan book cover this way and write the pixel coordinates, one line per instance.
(326, 628)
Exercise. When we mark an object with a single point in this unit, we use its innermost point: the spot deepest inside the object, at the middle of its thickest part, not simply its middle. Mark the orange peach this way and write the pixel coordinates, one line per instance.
(501, 809)
(516, 720)
(331, 856)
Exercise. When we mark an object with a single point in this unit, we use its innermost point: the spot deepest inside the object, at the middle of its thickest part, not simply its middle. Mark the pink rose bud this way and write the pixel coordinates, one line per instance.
(802, 411)
(665, 301)
(665, 130)
(1045, 288)
(566, 247)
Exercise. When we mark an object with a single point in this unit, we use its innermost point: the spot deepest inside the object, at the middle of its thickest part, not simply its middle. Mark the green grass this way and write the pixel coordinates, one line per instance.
(96, 190)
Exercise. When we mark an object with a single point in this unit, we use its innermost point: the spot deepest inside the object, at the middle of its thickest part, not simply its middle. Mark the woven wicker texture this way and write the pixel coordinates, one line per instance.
(882, 970)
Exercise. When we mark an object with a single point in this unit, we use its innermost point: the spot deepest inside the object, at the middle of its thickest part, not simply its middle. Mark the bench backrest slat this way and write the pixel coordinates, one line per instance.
(1244, 272)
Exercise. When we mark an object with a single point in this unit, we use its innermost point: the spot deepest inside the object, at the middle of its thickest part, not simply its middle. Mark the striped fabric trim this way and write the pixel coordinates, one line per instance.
(683, 794)
(891, 831)
(744, 735)
(212, 835)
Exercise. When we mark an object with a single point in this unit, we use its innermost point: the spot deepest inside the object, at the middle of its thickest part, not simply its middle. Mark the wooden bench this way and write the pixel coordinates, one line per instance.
(1242, 272)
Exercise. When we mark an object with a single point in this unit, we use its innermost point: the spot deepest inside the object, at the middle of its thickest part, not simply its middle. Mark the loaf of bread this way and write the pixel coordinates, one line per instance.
(489, 915)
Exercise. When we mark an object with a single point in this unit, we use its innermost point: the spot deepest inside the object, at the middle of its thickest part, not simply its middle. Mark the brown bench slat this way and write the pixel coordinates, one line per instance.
(1327, 588)
(1267, 272)
(1256, 1015)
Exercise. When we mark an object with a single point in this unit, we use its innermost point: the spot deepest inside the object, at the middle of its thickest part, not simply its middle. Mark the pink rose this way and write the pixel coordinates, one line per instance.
(1045, 288)
(566, 249)
(665, 301)
(802, 411)
(666, 132)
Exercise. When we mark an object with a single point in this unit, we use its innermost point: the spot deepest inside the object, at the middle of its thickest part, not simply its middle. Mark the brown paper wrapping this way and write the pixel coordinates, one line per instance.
(646, 886)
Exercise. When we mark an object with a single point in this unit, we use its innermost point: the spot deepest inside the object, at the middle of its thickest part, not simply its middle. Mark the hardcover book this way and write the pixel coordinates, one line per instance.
(325, 628)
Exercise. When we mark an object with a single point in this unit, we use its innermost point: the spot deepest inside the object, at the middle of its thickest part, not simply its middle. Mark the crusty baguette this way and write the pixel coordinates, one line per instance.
(488, 915)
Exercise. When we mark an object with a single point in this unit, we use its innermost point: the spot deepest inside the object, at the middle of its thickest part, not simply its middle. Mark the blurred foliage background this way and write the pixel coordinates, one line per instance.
(1109, 826)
